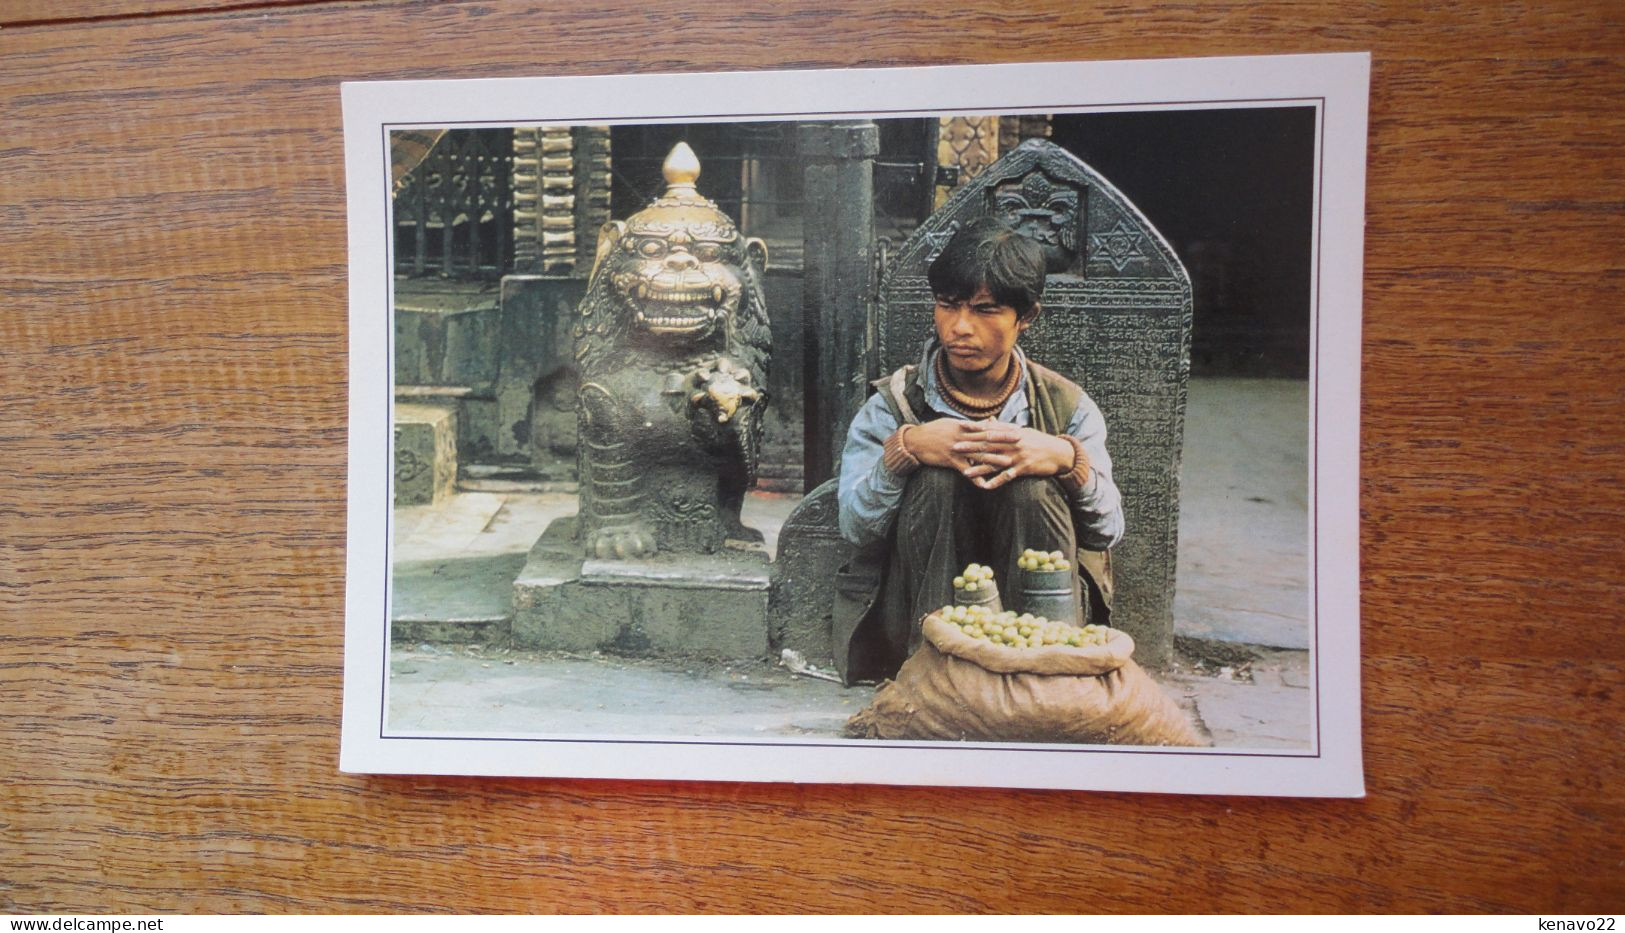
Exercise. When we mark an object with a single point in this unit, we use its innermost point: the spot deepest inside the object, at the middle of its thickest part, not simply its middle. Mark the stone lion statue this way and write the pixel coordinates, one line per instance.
(672, 341)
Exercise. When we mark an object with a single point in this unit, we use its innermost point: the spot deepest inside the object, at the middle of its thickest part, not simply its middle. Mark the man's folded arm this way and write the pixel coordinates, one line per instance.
(1097, 504)
(869, 493)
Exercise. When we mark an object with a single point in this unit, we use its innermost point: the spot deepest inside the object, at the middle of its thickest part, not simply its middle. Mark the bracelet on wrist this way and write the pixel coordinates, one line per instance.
(896, 455)
(1078, 477)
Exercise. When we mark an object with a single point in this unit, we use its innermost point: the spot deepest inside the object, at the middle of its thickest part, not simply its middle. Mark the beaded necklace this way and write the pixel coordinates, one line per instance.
(969, 405)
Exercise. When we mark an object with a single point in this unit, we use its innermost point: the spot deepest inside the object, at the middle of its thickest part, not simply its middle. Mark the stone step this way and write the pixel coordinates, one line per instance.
(780, 473)
(431, 395)
(494, 631)
(779, 484)
(781, 470)
(493, 485)
(512, 478)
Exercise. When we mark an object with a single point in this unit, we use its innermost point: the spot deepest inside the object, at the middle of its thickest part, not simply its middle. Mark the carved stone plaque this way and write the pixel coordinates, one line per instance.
(811, 550)
(1116, 320)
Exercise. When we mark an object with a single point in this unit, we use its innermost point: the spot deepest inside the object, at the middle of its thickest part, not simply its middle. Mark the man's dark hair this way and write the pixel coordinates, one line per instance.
(988, 252)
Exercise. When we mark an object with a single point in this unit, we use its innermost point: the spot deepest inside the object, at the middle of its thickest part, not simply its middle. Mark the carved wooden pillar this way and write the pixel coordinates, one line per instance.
(592, 180)
(838, 264)
(556, 227)
(527, 149)
(1013, 131)
(965, 146)
(561, 197)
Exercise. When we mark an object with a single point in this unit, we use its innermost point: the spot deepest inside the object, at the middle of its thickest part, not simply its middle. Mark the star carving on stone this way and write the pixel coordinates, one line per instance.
(1120, 245)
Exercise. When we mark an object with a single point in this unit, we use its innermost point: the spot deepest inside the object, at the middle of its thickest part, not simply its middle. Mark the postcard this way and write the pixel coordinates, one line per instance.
(976, 425)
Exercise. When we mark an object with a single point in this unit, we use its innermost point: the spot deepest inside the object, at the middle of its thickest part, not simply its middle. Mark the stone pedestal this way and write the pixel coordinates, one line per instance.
(693, 605)
(425, 453)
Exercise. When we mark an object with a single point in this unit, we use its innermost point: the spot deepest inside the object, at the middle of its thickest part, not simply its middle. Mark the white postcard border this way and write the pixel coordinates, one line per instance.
(1337, 84)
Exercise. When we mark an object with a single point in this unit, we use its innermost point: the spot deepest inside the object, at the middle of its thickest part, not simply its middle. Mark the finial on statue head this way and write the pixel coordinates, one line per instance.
(681, 168)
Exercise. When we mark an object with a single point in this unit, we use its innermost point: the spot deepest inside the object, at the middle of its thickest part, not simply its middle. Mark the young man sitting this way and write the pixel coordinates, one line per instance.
(975, 454)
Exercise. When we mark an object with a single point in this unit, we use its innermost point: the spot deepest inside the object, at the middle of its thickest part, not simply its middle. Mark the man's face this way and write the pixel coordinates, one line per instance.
(978, 334)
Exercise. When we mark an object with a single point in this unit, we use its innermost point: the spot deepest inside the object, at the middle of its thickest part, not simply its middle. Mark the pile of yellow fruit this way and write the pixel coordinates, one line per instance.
(1039, 560)
(975, 577)
(1021, 631)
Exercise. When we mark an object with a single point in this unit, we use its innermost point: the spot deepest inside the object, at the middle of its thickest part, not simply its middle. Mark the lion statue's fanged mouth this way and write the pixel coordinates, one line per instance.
(680, 295)
(685, 309)
(686, 323)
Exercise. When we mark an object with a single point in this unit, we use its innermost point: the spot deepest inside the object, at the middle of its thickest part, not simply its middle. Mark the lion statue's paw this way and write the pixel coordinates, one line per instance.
(619, 542)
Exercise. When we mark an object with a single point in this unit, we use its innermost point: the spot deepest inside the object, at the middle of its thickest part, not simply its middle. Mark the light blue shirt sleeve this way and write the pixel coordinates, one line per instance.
(1097, 505)
(869, 493)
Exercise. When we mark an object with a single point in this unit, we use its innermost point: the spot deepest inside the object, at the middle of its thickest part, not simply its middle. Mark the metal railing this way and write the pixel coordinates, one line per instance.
(454, 211)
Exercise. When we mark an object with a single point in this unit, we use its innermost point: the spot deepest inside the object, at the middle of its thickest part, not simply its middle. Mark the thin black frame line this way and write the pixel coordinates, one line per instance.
(1319, 105)
(867, 744)
(1314, 416)
(657, 120)
(389, 432)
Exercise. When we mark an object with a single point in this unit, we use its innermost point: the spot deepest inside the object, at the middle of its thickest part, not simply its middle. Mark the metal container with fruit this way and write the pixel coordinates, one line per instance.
(976, 587)
(1049, 586)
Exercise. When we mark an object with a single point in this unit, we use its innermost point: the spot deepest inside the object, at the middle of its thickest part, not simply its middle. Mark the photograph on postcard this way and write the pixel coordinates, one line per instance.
(958, 426)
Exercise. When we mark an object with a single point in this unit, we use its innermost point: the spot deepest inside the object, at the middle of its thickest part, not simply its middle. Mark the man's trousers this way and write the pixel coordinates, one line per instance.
(945, 522)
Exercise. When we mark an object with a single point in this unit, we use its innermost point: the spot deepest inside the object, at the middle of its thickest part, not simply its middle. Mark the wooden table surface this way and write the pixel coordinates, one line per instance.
(172, 424)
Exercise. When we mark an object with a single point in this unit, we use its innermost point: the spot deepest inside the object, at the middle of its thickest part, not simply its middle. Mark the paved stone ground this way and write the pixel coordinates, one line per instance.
(1243, 566)
(473, 688)
(455, 689)
(1241, 609)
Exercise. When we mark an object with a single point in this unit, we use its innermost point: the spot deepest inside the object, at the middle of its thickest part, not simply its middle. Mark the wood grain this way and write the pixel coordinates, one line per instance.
(172, 263)
(35, 13)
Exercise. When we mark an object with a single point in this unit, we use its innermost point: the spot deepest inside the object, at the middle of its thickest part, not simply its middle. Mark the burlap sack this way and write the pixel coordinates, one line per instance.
(956, 687)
